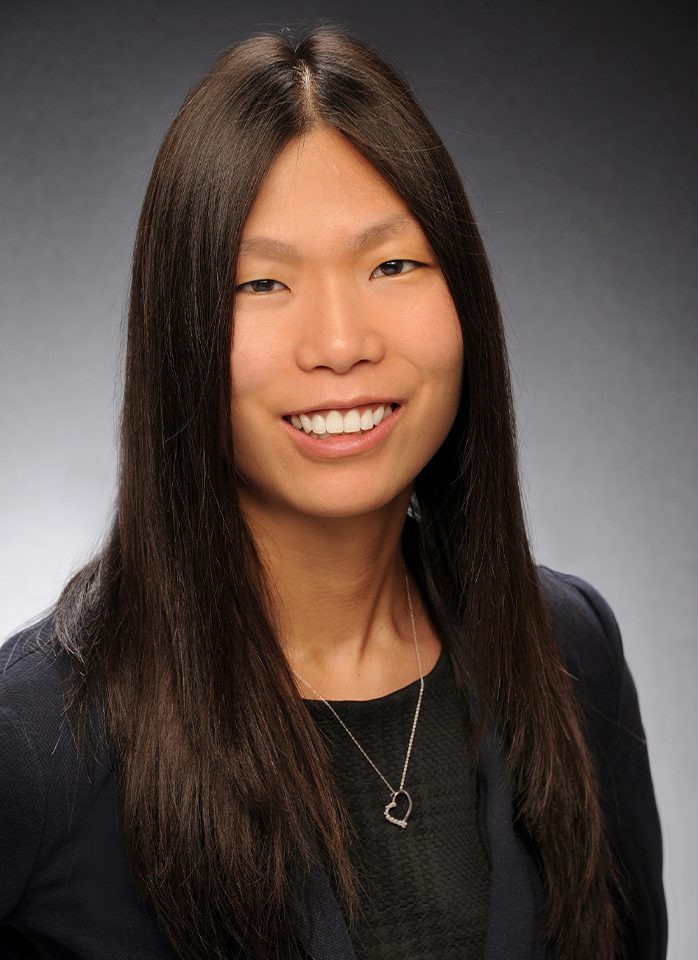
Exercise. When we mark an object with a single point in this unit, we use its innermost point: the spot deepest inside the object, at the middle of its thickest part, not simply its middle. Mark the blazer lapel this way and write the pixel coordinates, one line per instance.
(516, 891)
(321, 926)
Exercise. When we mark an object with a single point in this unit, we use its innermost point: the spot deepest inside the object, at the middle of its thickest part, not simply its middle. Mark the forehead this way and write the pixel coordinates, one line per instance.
(321, 182)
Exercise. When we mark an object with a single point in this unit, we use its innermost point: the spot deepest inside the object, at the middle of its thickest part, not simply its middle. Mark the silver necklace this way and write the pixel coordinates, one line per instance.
(394, 794)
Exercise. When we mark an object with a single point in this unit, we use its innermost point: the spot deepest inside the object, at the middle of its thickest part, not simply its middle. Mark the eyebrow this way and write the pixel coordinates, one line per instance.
(267, 246)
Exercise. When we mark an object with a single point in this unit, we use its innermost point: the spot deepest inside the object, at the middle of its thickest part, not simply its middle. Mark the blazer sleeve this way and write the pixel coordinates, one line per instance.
(628, 797)
(22, 809)
(635, 828)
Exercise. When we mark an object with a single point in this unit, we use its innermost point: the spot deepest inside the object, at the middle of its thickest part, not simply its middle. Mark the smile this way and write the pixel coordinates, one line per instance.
(326, 423)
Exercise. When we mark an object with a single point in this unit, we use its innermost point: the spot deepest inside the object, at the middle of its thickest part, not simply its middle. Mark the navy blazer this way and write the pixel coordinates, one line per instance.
(65, 891)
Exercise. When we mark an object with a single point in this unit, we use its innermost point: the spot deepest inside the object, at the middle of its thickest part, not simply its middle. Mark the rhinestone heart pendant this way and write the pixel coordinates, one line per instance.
(393, 803)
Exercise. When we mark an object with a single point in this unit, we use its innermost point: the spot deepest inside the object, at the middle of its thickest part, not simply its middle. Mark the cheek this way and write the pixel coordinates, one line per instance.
(444, 347)
(438, 340)
(255, 359)
(253, 367)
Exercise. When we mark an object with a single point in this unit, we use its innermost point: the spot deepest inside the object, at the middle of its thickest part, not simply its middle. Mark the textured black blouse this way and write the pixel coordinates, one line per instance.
(427, 884)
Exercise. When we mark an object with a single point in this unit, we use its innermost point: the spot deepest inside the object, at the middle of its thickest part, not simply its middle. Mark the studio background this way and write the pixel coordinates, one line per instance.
(575, 132)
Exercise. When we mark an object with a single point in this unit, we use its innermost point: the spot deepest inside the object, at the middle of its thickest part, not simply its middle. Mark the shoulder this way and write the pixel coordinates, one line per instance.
(29, 702)
(30, 686)
(40, 784)
(589, 639)
(64, 868)
(35, 679)
(25, 656)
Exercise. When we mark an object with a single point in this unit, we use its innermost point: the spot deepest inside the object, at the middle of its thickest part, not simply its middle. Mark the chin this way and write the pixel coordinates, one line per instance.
(343, 507)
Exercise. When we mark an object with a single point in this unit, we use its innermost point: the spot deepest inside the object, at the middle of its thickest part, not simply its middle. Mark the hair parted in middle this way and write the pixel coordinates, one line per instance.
(228, 793)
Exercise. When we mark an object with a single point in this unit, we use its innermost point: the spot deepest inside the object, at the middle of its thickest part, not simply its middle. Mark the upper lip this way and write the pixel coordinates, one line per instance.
(346, 404)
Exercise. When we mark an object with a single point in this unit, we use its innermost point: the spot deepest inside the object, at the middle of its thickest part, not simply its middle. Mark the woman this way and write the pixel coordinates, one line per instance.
(319, 699)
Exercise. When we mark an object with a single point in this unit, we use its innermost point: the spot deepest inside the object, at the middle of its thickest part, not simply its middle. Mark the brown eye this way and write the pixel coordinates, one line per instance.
(395, 267)
(255, 286)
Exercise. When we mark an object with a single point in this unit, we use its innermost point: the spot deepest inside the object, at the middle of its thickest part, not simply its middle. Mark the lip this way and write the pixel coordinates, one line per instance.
(335, 404)
(344, 444)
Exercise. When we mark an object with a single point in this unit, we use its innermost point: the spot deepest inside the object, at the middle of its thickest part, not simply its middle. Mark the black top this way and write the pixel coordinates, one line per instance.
(65, 891)
(427, 884)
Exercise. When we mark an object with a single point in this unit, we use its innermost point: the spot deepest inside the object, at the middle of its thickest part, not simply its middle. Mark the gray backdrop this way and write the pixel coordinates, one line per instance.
(573, 127)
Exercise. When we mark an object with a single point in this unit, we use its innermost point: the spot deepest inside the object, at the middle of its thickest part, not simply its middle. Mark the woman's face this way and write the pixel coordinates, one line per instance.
(340, 306)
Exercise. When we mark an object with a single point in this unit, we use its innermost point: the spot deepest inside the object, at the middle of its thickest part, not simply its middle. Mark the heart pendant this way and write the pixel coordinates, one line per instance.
(393, 803)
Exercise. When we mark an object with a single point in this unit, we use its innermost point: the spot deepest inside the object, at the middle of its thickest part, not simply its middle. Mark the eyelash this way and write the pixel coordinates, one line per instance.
(241, 287)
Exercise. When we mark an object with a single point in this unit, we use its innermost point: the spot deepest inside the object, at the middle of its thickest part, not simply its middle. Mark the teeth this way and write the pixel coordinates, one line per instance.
(335, 422)
(318, 422)
(352, 422)
(367, 420)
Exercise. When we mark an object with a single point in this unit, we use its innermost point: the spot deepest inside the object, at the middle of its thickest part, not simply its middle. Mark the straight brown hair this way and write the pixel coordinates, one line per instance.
(228, 794)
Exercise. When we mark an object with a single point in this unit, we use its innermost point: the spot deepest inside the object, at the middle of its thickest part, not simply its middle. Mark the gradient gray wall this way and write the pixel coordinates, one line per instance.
(572, 125)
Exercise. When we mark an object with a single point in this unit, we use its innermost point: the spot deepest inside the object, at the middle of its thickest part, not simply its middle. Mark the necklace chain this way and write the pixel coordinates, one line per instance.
(400, 822)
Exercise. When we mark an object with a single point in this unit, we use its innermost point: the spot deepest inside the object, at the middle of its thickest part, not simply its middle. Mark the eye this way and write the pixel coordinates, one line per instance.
(395, 265)
(255, 286)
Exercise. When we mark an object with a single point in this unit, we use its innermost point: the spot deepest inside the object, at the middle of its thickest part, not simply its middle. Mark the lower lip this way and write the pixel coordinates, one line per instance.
(344, 444)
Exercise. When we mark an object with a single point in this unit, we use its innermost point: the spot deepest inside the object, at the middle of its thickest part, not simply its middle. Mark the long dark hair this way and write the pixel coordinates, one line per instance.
(228, 792)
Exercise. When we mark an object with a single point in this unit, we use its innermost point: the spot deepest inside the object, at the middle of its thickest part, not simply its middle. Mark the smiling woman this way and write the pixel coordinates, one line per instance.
(318, 494)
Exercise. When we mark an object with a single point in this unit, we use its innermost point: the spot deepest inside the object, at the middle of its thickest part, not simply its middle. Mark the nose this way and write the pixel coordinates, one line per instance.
(339, 329)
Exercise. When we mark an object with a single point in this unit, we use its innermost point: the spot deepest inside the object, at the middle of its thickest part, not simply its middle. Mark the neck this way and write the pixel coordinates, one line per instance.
(338, 583)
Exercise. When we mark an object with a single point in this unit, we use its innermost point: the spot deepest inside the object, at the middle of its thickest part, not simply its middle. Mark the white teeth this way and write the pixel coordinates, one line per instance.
(352, 422)
(318, 422)
(366, 420)
(336, 422)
